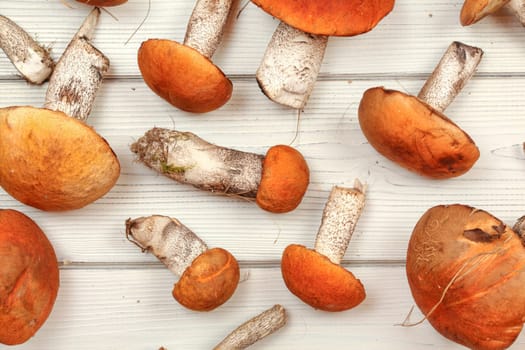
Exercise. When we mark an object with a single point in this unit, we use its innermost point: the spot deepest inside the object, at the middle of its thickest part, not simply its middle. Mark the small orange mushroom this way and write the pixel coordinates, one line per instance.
(475, 10)
(29, 277)
(277, 181)
(315, 276)
(208, 277)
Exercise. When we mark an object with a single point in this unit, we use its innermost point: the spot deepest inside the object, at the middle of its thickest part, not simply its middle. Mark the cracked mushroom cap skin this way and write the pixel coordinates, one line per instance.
(335, 17)
(182, 76)
(284, 180)
(474, 10)
(51, 161)
(102, 3)
(317, 281)
(409, 132)
(482, 260)
(29, 277)
(209, 282)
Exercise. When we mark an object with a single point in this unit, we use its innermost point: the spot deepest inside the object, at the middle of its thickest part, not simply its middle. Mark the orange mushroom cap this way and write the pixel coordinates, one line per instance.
(52, 161)
(317, 281)
(411, 133)
(334, 17)
(209, 282)
(182, 76)
(102, 3)
(474, 10)
(29, 277)
(284, 180)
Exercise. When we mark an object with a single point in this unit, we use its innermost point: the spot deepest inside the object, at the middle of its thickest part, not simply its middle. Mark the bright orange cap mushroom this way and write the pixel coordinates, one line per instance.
(102, 3)
(284, 180)
(29, 277)
(474, 10)
(335, 17)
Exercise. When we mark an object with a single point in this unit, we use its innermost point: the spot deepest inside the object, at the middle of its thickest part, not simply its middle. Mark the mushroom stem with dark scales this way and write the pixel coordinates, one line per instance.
(255, 329)
(315, 276)
(412, 131)
(31, 59)
(277, 181)
(475, 10)
(208, 277)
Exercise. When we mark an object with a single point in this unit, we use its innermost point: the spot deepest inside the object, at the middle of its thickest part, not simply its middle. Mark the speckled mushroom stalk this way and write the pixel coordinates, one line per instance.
(254, 329)
(276, 181)
(208, 277)
(475, 10)
(28, 56)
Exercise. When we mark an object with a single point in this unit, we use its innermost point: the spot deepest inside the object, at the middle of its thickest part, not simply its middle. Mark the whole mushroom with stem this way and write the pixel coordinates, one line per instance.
(475, 10)
(276, 181)
(183, 74)
(316, 276)
(208, 277)
(50, 158)
(413, 131)
(466, 271)
(292, 61)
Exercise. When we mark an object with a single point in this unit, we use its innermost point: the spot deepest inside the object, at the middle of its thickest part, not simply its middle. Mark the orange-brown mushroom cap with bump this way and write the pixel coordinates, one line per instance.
(411, 133)
(474, 10)
(334, 17)
(182, 76)
(284, 180)
(102, 3)
(209, 282)
(314, 279)
(29, 277)
(52, 161)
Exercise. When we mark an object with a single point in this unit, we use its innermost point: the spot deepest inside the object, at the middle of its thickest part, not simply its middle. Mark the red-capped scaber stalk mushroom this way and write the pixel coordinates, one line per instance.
(183, 74)
(316, 276)
(30, 58)
(208, 277)
(474, 10)
(413, 131)
(291, 63)
(277, 181)
(466, 271)
(50, 158)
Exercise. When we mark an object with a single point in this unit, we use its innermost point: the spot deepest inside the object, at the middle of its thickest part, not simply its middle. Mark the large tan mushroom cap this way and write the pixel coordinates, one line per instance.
(411, 133)
(29, 277)
(474, 10)
(102, 3)
(334, 17)
(52, 161)
(182, 76)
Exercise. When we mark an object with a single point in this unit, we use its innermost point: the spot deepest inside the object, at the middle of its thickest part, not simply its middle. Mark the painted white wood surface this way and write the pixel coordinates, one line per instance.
(114, 297)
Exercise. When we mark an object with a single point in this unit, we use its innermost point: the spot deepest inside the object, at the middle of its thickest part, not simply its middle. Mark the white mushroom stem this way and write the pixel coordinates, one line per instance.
(456, 67)
(254, 329)
(518, 7)
(519, 227)
(79, 72)
(29, 58)
(206, 25)
(290, 66)
(188, 159)
(169, 240)
(340, 216)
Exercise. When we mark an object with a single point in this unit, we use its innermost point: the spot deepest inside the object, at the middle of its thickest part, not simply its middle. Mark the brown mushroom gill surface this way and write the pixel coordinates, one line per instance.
(474, 10)
(469, 266)
(413, 134)
(52, 161)
(29, 277)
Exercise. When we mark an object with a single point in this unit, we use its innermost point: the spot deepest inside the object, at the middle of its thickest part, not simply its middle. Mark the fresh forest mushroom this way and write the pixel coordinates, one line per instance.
(277, 181)
(28, 56)
(208, 277)
(103, 3)
(50, 159)
(29, 277)
(413, 131)
(254, 329)
(183, 74)
(316, 276)
(466, 271)
(474, 10)
(293, 57)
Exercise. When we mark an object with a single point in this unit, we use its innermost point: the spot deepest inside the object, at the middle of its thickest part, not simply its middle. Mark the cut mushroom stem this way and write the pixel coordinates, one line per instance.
(28, 56)
(456, 67)
(254, 329)
(340, 216)
(290, 66)
(79, 72)
(518, 7)
(206, 25)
